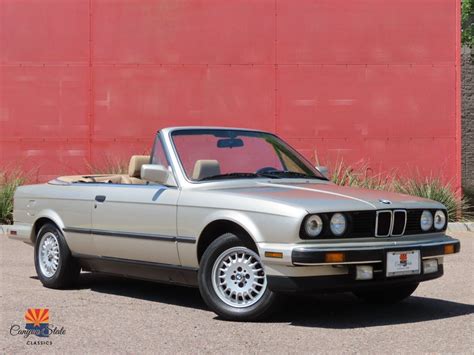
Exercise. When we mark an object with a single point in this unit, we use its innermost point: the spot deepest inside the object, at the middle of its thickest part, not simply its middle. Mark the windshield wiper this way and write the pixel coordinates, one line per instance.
(293, 174)
(239, 176)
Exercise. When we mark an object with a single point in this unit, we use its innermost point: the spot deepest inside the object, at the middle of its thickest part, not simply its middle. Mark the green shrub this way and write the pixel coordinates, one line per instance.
(432, 188)
(467, 23)
(8, 184)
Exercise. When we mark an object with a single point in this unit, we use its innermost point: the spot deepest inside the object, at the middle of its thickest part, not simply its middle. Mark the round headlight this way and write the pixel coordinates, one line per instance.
(439, 219)
(313, 226)
(426, 221)
(338, 224)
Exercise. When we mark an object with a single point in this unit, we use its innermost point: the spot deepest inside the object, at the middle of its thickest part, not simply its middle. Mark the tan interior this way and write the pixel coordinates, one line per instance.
(133, 176)
(205, 168)
(135, 166)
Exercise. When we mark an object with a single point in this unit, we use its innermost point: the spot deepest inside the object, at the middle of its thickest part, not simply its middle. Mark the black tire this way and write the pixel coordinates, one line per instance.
(257, 311)
(386, 294)
(68, 268)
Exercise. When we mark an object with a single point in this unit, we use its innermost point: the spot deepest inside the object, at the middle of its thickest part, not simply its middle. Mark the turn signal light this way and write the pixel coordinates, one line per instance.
(273, 254)
(334, 257)
(449, 249)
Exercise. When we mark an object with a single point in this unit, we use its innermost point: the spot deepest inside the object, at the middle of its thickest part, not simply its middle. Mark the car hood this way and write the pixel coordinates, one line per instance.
(328, 197)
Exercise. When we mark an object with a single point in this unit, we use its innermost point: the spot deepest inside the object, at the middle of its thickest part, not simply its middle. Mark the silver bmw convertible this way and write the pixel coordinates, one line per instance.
(238, 213)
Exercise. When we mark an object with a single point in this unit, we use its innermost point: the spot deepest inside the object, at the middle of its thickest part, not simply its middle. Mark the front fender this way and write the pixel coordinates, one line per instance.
(261, 227)
(237, 217)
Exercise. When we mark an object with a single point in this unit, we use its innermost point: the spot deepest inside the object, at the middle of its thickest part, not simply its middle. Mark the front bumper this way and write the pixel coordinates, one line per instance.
(20, 231)
(305, 267)
(341, 283)
(368, 254)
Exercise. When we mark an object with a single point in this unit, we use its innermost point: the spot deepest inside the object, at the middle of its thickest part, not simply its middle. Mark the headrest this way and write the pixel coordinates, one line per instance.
(136, 162)
(205, 168)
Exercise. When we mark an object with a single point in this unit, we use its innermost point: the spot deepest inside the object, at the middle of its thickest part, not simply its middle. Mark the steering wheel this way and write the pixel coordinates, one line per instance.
(266, 169)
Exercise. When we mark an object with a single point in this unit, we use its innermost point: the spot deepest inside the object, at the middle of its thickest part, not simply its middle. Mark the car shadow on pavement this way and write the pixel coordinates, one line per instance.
(345, 311)
(144, 290)
(335, 311)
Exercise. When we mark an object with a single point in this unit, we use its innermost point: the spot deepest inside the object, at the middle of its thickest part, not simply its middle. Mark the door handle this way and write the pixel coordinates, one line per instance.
(100, 198)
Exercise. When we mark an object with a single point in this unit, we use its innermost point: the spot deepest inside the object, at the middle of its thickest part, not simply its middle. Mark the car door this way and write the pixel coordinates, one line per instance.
(73, 203)
(136, 222)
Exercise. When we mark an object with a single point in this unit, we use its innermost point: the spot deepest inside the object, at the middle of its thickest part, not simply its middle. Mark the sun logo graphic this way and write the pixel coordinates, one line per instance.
(404, 259)
(37, 320)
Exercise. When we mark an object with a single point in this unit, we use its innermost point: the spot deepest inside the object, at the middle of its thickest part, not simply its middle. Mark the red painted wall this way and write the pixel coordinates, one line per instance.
(369, 79)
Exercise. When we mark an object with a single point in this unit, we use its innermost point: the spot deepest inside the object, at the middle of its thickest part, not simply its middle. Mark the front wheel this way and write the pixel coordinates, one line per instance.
(232, 280)
(386, 294)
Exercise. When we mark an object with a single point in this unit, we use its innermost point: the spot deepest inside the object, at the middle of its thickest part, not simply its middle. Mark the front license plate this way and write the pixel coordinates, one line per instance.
(403, 263)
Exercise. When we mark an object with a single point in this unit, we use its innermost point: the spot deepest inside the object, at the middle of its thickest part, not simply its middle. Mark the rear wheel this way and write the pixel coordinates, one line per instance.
(386, 294)
(232, 280)
(55, 266)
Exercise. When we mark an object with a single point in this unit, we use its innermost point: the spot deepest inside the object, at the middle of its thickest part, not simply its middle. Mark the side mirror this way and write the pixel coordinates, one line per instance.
(157, 173)
(323, 170)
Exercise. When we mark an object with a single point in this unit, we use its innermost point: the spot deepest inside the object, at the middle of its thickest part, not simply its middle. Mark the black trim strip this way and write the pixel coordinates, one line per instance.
(77, 230)
(190, 240)
(133, 235)
(138, 269)
(159, 237)
(137, 262)
(317, 256)
(150, 263)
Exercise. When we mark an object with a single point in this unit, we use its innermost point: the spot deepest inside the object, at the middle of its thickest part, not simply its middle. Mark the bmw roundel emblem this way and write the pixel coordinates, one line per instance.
(385, 202)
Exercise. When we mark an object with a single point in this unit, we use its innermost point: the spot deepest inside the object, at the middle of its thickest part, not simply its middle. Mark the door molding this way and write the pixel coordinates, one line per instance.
(158, 237)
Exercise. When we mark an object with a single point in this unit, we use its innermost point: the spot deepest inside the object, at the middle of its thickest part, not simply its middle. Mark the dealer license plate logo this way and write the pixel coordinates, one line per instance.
(401, 263)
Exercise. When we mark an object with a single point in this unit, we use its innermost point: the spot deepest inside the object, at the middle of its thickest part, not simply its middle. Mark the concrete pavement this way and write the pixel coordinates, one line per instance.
(112, 315)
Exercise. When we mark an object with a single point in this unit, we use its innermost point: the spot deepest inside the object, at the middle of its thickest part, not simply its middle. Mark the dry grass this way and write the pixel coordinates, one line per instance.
(110, 165)
(360, 175)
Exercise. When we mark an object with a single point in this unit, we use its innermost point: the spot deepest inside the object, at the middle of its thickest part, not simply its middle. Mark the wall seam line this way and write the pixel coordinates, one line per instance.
(91, 83)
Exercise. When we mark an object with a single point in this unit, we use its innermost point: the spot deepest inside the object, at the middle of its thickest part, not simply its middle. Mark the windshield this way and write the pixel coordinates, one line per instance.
(212, 154)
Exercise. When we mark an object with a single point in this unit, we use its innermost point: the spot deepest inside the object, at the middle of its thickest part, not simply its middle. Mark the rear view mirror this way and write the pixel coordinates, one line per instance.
(323, 170)
(157, 173)
(230, 143)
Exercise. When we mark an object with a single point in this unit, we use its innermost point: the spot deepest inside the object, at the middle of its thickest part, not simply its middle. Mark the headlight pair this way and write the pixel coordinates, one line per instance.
(427, 221)
(313, 226)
